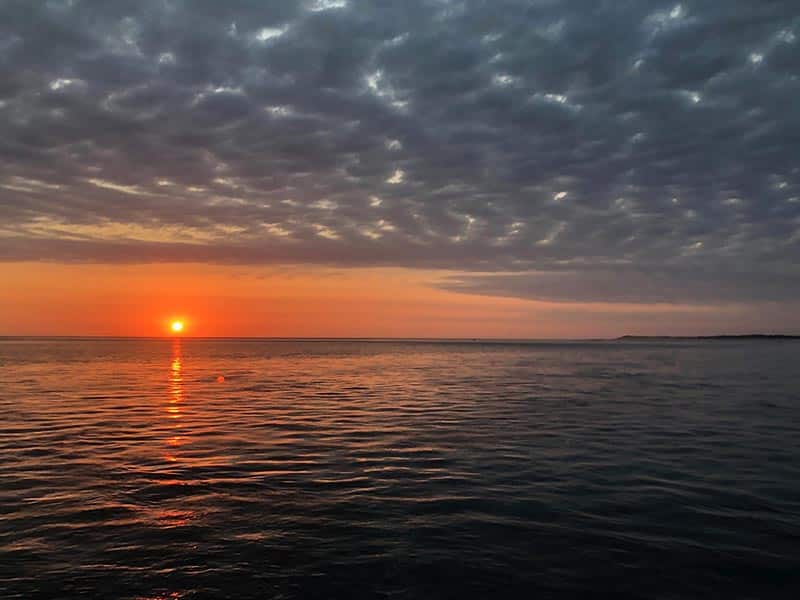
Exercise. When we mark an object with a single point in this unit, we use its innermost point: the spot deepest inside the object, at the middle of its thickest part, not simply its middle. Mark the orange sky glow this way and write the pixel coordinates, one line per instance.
(143, 300)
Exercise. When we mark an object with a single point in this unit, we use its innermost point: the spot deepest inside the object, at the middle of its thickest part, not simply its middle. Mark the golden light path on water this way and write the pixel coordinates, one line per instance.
(175, 398)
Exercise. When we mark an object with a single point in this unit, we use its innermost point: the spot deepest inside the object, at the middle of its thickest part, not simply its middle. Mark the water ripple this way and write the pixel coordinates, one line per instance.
(248, 469)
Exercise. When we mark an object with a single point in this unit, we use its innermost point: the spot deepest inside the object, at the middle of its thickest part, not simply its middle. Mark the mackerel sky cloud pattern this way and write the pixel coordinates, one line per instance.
(570, 150)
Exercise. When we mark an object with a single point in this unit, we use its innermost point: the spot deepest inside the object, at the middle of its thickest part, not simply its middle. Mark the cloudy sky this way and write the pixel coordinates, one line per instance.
(541, 167)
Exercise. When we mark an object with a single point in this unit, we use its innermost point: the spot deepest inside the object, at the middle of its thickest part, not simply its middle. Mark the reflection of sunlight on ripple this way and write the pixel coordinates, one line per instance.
(174, 518)
(176, 398)
(164, 596)
(176, 378)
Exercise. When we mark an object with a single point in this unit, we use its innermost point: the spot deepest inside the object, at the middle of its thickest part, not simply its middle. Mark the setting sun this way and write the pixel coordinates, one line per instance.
(177, 326)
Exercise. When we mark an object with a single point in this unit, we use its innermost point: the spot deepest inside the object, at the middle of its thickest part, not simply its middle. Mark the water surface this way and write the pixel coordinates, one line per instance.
(349, 469)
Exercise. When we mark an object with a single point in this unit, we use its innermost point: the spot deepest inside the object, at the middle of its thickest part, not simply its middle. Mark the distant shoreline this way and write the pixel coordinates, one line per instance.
(752, 336)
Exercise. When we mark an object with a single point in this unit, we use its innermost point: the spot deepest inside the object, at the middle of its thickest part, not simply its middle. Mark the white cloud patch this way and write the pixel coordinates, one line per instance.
(320, 5)
(268, 33)
(110, 185)
(397, 177)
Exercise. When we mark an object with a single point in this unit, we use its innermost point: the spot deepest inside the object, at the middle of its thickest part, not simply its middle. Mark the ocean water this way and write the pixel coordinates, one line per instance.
(161, 469)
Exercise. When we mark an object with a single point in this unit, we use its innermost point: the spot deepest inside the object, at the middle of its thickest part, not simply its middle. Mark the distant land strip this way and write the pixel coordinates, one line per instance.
(752, 336)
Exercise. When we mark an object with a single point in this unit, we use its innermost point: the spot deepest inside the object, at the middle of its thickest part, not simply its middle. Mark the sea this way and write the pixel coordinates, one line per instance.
(171, 469)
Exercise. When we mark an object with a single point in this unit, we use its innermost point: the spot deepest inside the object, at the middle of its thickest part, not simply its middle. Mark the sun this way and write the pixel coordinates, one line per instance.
(176, 326)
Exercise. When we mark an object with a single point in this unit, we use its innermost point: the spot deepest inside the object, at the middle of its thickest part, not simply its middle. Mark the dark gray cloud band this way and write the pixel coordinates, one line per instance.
(628, 145)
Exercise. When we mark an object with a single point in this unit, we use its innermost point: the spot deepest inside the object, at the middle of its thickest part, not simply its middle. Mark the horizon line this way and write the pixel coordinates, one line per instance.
(405, 339)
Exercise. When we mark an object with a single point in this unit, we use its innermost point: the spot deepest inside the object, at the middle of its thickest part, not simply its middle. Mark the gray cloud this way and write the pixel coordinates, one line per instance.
(683, 285)
(613, 146)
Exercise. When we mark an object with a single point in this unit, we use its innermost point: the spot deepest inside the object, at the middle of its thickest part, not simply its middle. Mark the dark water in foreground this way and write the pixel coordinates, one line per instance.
(399, 470)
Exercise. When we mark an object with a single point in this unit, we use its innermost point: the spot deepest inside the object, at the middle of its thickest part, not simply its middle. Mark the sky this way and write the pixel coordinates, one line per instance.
(425, 168)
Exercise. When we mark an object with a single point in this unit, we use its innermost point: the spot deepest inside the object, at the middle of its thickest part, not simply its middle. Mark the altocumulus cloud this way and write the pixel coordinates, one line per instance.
(632, 151)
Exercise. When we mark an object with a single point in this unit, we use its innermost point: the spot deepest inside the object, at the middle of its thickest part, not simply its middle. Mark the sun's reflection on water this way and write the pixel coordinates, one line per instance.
(175, 401)
(176, 381)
